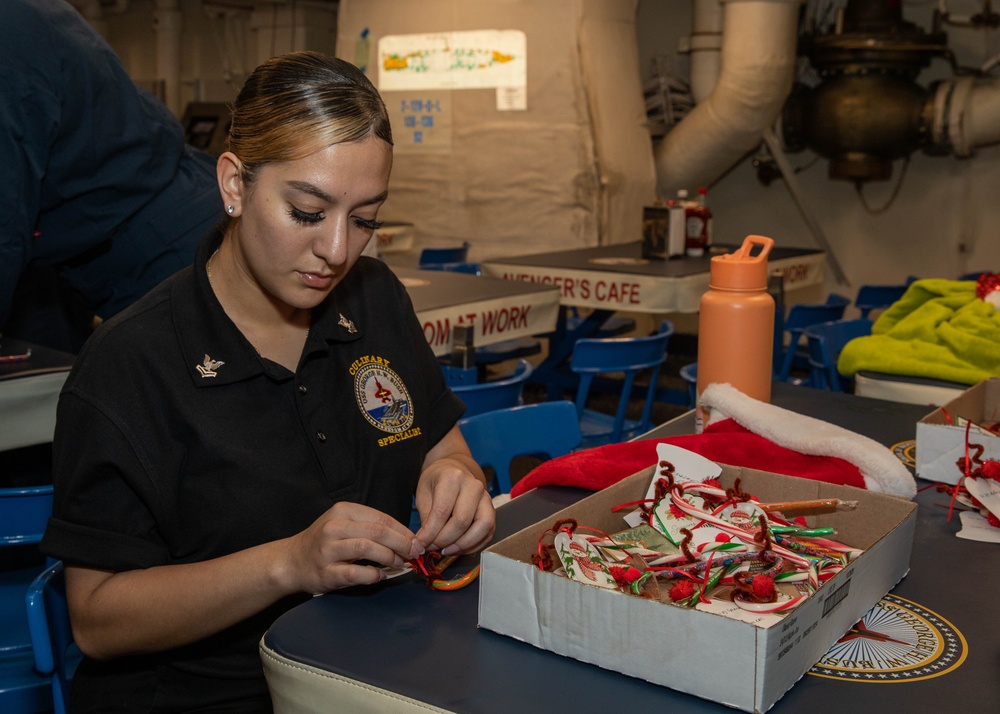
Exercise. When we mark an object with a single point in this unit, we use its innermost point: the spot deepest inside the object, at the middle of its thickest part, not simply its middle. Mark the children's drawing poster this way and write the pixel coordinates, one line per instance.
(475, 59)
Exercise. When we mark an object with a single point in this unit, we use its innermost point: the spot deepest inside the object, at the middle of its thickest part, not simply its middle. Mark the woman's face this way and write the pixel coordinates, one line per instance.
(306, 221)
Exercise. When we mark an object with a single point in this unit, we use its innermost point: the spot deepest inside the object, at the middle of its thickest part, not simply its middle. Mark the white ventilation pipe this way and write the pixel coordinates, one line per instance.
(757, 67)
(966, 114)
(704, 45)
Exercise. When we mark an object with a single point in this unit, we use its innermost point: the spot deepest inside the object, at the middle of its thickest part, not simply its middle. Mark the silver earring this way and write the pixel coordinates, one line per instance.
(230, 210)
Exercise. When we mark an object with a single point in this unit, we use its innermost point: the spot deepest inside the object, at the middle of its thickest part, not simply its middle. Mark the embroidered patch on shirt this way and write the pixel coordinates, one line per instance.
(209, 366)
(381, 395)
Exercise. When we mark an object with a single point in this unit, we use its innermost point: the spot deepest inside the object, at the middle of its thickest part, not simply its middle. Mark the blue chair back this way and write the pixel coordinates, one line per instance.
(543, 430)
(467, 268)
(826, 341)
(508, 391)
(629, 356)
(56, 656)
(434, 258)
(800, 317)
(23, 515)
(877, 297)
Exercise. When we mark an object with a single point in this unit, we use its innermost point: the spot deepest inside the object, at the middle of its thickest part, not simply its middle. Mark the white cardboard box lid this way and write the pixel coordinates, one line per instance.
(941, 443)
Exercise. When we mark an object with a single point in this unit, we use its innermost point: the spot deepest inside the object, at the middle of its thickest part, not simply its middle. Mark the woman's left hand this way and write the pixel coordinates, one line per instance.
(456, 511)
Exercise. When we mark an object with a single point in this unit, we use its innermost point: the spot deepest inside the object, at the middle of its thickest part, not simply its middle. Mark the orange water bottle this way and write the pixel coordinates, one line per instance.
(736, 324)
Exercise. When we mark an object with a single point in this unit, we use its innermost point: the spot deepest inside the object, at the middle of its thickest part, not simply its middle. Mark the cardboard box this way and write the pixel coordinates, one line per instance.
(941, 437)
(735, 663)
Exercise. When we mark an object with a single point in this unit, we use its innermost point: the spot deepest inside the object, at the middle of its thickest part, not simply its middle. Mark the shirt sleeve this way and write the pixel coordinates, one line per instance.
(102, 514)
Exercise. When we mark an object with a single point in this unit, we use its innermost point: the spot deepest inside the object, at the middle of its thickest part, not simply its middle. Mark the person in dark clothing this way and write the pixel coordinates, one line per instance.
(255, 429)
(100, 198)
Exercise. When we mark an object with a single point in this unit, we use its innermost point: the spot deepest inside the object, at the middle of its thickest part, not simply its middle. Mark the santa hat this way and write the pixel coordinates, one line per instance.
(742, 431)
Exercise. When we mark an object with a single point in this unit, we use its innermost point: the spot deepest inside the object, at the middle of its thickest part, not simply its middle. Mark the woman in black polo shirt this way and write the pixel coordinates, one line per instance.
(252, 431)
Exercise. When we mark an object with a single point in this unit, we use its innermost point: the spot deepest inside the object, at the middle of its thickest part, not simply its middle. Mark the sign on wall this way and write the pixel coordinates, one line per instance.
(475, 59)
(421, 120)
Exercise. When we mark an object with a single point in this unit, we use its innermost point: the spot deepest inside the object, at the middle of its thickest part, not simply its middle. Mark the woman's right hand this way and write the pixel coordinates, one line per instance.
(324, 556)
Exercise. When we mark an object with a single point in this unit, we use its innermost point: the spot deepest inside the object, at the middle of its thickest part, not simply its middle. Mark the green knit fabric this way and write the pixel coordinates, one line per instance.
(939, 329)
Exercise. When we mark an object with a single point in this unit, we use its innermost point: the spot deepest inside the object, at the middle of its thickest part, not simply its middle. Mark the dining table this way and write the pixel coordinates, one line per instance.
(31, 377)
(620, 278)
(931, 644)
(496, 310)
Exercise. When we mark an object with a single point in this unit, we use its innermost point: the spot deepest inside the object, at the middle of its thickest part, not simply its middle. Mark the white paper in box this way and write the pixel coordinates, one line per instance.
(682, 648)
(941, 442)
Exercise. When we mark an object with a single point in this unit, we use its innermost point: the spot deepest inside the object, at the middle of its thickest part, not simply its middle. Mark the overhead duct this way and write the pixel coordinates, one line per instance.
(756, 71)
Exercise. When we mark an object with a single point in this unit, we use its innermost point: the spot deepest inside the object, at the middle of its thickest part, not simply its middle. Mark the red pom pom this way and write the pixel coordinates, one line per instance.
(763, 588)
(624, 576)
(991, 470)
(987, 283)
(721, 537)
(992, 519)
(681, 590)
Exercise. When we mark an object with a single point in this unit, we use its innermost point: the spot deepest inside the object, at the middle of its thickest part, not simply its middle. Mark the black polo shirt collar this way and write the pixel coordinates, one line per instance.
(217, 353)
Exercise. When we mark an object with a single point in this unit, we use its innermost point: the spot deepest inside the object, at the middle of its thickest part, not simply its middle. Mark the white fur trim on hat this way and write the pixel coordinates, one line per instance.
(882, 471)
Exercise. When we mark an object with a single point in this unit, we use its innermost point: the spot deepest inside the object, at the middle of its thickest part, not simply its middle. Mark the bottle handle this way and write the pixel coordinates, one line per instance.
(744, 252)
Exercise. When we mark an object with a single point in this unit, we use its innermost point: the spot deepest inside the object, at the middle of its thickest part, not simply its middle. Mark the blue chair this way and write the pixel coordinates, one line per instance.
(435, 258)
(826, 341)
(56, 656)
(878, 297)
(628, 356)
(482, 397)
(800, 317)
(542, 430)
(23, 515)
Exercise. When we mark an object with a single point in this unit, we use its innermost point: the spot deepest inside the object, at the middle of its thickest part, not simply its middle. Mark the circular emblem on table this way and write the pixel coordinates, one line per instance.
(896, 641)
(906, 451)
(383, 398)
(618, 261)
(414, 282)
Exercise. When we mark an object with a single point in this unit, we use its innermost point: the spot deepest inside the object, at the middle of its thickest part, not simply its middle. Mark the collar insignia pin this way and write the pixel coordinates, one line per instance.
(344, 322)
(209, 366)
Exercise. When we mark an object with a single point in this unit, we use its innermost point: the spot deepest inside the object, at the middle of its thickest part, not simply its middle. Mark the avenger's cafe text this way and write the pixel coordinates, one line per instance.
(614, 293)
